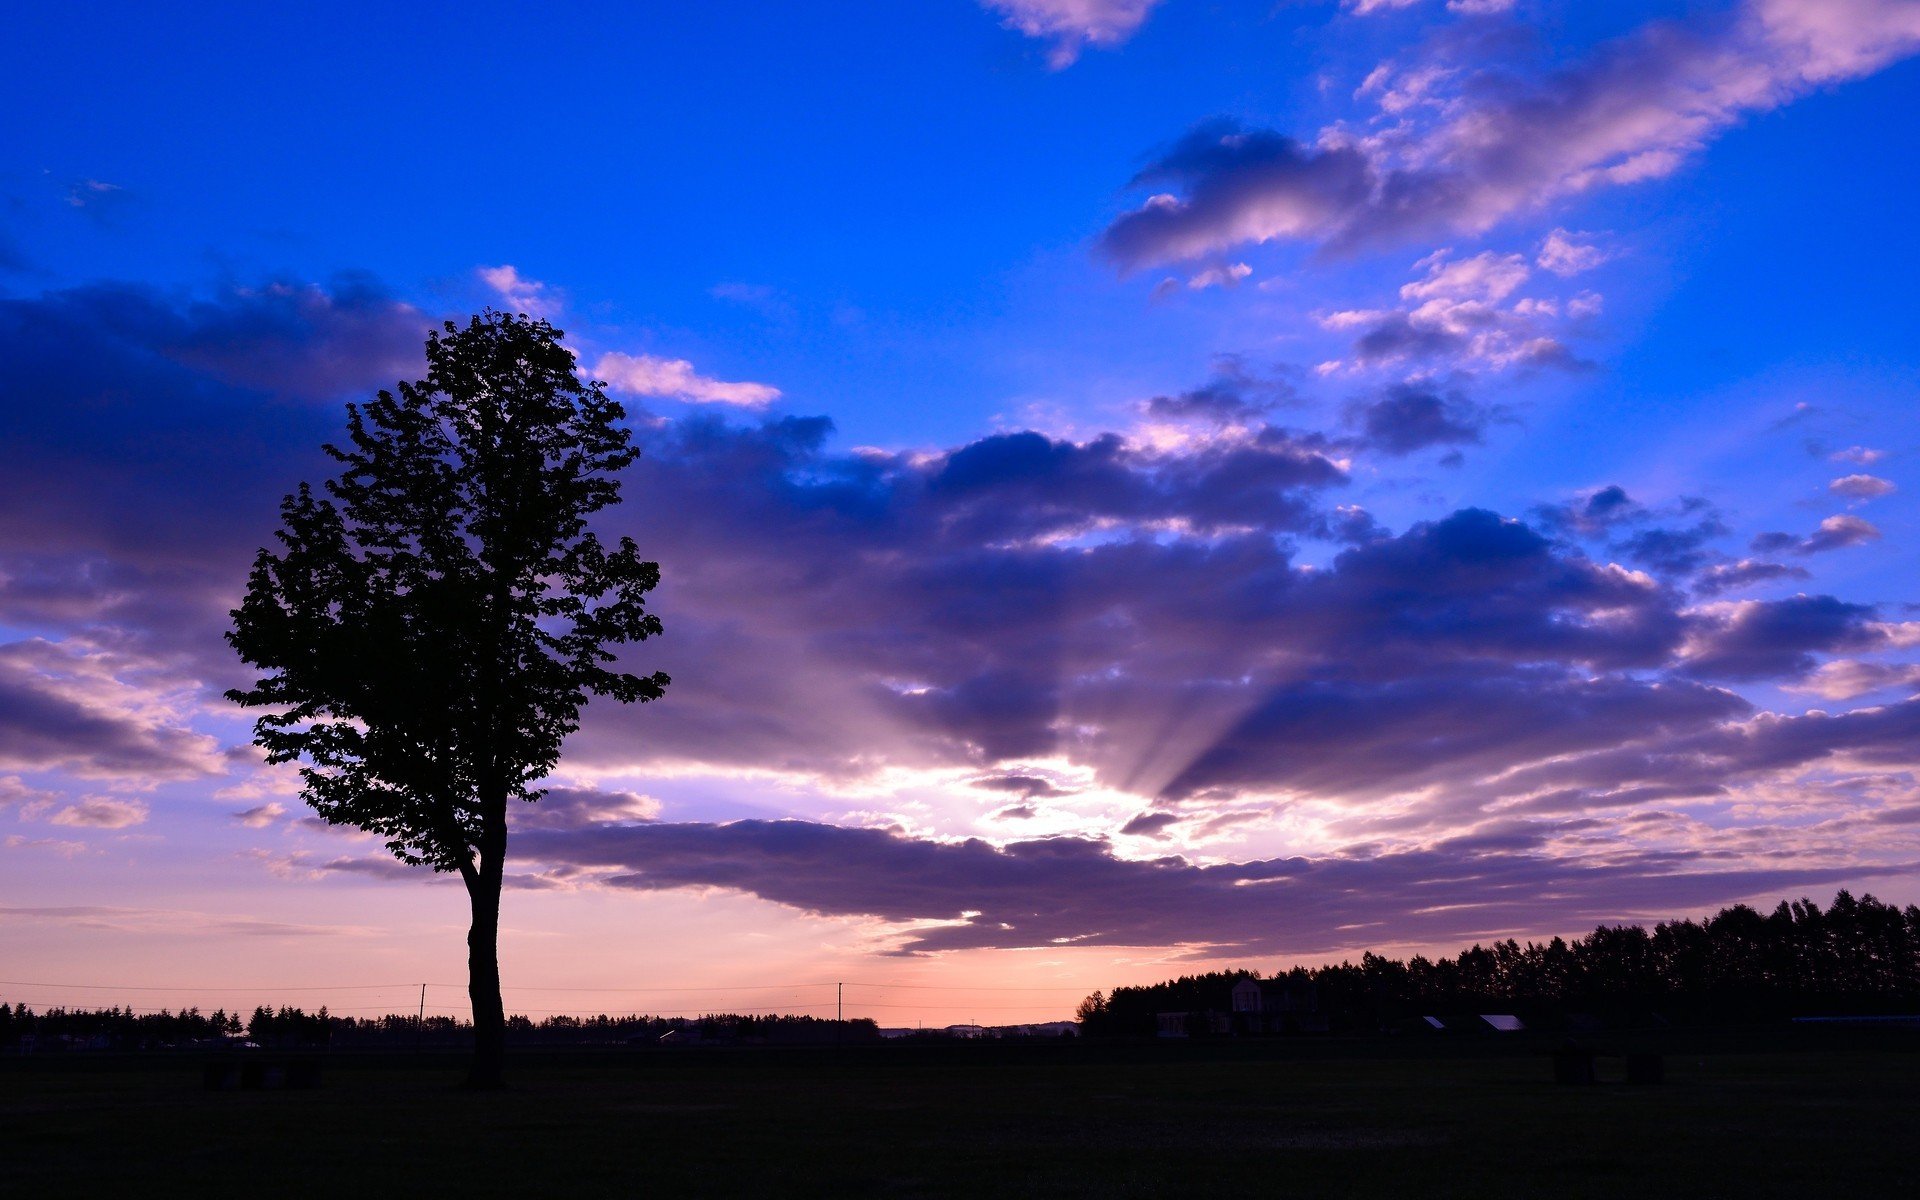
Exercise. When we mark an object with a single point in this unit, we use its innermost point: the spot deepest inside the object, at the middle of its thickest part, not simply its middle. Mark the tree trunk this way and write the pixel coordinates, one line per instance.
(483, 983)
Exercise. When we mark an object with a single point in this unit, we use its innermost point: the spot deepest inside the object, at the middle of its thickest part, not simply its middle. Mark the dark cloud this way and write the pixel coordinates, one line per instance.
(1725, 577)
(1834, 533)
(1230, 173)
(1413, 416)
(1675, 540)
(1150, 824)
(1777, 639)
(1073, 891)
(1235, 395)
(1674, 551)
(1025, 786)
(1592, 515)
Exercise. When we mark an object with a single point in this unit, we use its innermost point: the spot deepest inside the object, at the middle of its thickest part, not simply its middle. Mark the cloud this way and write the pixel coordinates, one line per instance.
(149, 922)
(1237, 394)
(1228, 276)
(1186, 616)
(260, 816)
(1073, 25)
(1368, 8)
(1775, 639)
(15, 794)
(1460, 312)
(1486, 143)
(1845, 679)
(1834, 533)
(100, 812)
(60, 846)
(573, 808)
(1410, 417)
(650, 375)
(1859, 455)
(1862, 487)
(1151, 824)
(1566, 256)
(1050, 892)
(100, 201)
(1725, 577)
(523, 295)
(73, 707)
(1025, 786)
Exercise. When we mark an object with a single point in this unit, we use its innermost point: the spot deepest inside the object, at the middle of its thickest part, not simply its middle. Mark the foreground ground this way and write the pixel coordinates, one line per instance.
(1739, 1115)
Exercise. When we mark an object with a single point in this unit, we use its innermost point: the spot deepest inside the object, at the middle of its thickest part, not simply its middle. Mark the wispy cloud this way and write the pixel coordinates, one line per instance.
(1476, 143)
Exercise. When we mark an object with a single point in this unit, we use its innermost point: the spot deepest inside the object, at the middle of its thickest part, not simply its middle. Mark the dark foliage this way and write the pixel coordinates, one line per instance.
(1857, 957)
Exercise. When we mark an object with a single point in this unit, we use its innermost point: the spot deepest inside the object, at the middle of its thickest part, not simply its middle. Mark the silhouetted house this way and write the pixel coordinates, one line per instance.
(1279, 1006)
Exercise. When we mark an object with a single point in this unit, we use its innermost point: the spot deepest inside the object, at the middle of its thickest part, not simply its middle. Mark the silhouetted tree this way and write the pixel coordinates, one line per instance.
(433, 623)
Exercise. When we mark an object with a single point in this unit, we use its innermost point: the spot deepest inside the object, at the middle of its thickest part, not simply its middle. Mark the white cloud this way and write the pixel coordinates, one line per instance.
(1566, 257)
(1486, 278)
(1224, 277)
(1073, 25)
(1463, 311)
(652, 375)
(529, 296)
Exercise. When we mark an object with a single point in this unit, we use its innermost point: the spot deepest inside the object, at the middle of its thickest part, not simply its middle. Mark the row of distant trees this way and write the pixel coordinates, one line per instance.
(124, 1029)
(1856, 957)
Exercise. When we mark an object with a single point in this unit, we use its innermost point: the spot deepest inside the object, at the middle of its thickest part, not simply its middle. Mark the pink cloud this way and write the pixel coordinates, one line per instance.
(1862, 487)
(1073, 25)
(99, 812)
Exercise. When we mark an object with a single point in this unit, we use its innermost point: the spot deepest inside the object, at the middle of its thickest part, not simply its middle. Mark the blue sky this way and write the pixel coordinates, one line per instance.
(1348, 315)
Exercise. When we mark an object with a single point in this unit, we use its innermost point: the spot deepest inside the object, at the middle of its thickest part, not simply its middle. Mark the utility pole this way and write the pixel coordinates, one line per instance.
(420, 1022)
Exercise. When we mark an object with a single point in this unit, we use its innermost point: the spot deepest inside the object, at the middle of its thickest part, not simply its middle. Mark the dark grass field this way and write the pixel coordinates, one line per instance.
(1785, 1114)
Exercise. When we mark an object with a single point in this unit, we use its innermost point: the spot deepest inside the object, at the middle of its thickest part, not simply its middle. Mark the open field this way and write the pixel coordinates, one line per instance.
(1744, 1115)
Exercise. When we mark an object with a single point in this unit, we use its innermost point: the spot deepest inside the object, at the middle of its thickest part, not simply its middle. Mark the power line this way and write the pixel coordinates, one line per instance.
(262, 987)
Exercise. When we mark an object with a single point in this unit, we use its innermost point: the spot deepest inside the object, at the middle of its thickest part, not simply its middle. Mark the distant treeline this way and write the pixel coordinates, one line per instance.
(124, 1029)
(1857, 957)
